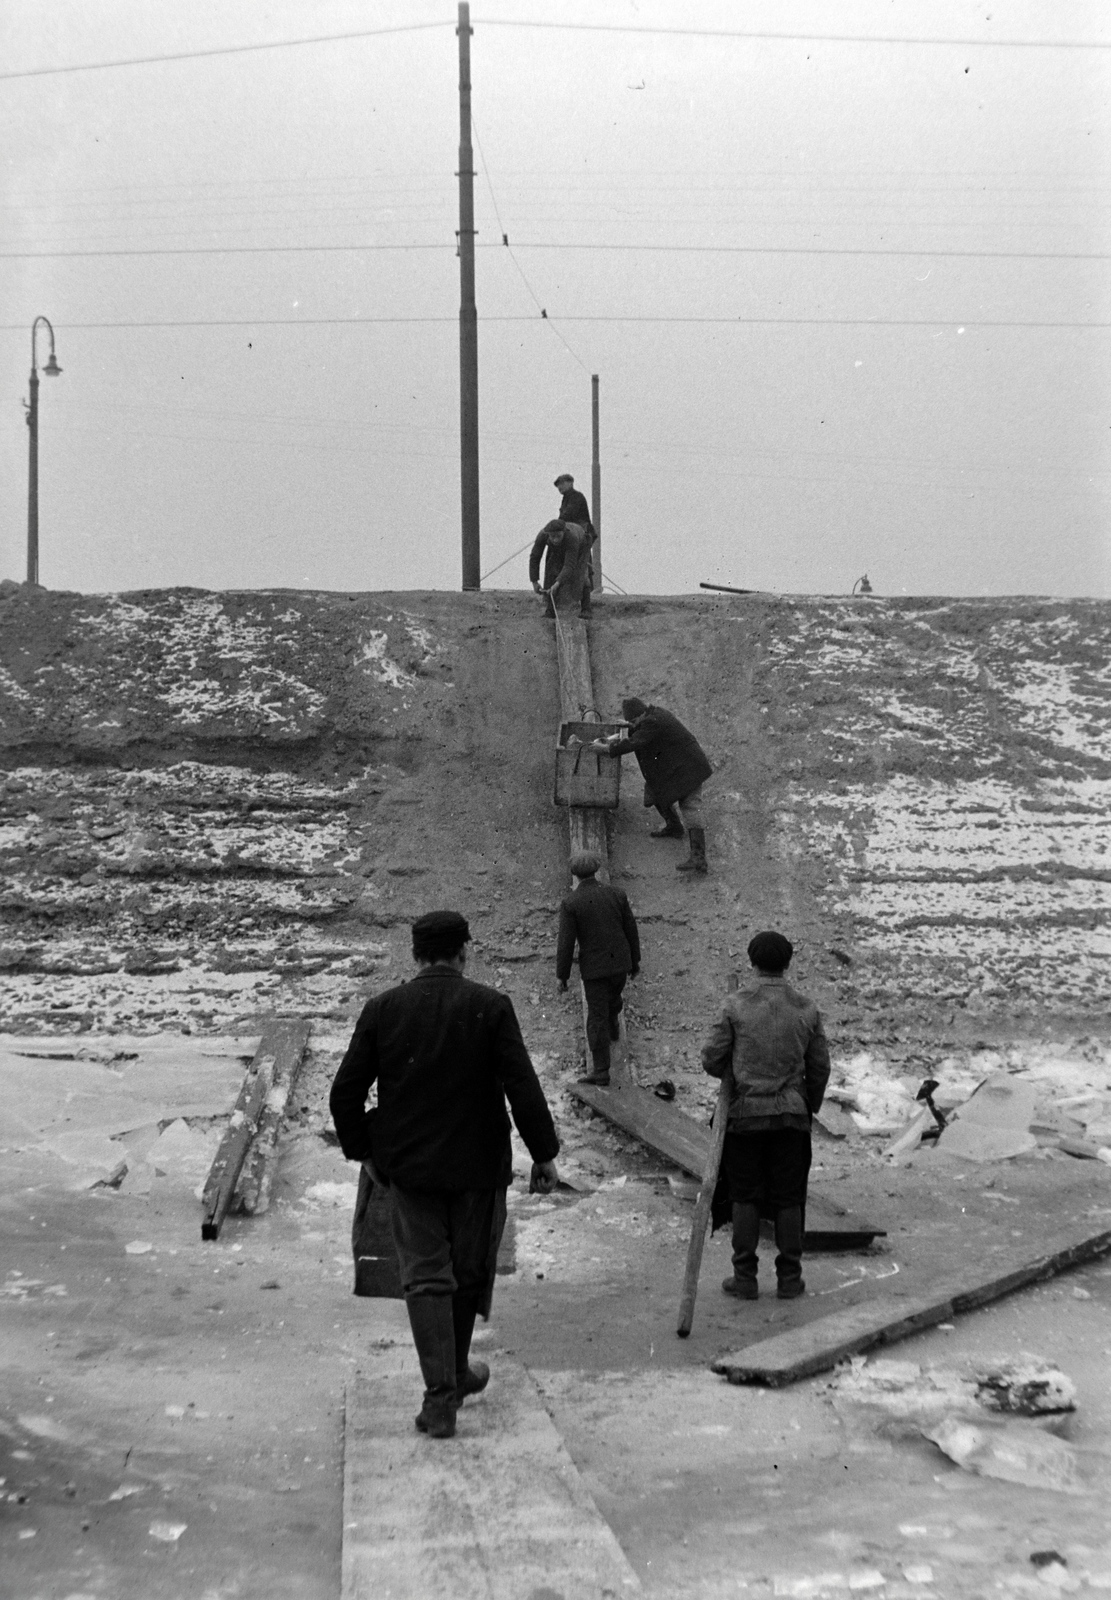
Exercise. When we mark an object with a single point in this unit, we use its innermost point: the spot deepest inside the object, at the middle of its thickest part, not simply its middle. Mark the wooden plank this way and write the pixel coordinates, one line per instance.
(819, 1345)
(497, 1513)
(576, 685)
(687, 1142)
(223, 1175)
(252, 1192)
(701, 1220)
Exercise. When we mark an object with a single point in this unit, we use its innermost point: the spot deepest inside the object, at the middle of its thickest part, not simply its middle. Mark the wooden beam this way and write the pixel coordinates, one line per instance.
(252, 1193)
(223, 1175)
(687, 1143)
(819, 1345)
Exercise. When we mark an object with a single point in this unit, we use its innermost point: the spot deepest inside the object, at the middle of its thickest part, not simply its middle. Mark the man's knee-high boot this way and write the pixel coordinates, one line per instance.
(430, 1318)
(746, 1236)
(696, 861)
(470, 1377)
(788, 1242)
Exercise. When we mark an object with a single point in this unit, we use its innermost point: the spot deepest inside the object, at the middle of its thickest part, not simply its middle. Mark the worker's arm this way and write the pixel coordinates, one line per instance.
(717, 1052)
(515, 1072)
(539, 545)
(817, 1067)
(565, 949)
(357, 1072)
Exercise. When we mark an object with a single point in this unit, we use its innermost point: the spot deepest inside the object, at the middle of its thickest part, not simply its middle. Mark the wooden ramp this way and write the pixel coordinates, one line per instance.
(687, 1143)
(497, 1513)
(819, 1345)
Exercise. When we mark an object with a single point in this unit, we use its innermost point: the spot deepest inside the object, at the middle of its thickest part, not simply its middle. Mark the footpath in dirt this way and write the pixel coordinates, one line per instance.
(219, 808)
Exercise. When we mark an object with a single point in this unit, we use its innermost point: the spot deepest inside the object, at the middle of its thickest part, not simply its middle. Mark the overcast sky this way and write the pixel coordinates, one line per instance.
(848, 300)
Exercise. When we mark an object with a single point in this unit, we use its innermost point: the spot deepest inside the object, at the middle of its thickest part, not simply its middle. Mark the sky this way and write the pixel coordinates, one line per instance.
(841, 266)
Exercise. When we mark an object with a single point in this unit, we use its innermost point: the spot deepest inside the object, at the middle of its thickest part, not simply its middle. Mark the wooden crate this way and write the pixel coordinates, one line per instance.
(586, 777)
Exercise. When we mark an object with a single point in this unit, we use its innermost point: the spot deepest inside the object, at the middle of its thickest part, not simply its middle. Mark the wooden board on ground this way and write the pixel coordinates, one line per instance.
(819, 1345)
(497, 1513)
(686, 1143)
(279, 1041)
(289, 1040)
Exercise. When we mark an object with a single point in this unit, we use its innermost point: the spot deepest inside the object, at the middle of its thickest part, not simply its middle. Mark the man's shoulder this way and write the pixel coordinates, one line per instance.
(803, 1001)
(483, 996)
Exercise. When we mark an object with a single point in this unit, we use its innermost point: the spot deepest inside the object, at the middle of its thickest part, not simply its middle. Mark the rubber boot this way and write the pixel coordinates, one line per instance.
(430, 1318)
(696, 861)
(788, 1263)
(746, 1235)
(672, 828)
(470, 1377)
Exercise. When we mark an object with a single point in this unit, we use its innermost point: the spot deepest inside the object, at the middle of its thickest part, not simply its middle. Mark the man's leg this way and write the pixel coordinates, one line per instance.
(477, 1224)
(672, 828)
(742, 1162)
(597, 991)
(690, 809)
(421, 1227)
(789, 1167)
(616, 1003)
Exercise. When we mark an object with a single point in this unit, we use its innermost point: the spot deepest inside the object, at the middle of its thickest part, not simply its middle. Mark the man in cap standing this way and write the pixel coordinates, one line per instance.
(446, 1054)
(674, 767)
(771, 1038)
(600, 920)
(567, 541)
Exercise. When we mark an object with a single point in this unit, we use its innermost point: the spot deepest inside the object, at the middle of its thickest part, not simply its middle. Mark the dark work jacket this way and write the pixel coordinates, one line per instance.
(554, 559)
(573, 508)
(601, 920)
(771, 1037)
(446, 1053)
(670, 757)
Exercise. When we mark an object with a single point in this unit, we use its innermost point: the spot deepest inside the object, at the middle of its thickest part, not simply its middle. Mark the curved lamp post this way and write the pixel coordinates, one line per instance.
(52, 369)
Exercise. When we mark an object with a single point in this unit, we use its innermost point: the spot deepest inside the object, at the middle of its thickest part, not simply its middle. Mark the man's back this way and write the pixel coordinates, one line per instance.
(771, 1036)
(601, 920)
(444, 1053)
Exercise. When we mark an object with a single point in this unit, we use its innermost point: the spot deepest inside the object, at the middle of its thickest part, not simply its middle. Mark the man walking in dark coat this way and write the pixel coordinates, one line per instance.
(445, 1053)
(600, 920)
(770, 1037)
(674, 767)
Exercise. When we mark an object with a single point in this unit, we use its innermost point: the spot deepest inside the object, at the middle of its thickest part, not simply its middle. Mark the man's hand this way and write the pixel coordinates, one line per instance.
(536, 589)
(563, 987)
(601, 745)
(544, 1177)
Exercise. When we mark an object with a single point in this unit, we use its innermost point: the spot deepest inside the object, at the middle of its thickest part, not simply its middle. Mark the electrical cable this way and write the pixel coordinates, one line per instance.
(505, 245)
(224, 50)
(676, 249)
(801, 38)
(740, 322)
(506, 562)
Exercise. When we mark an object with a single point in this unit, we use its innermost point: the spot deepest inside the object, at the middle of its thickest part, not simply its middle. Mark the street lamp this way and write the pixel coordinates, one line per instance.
(52, 369)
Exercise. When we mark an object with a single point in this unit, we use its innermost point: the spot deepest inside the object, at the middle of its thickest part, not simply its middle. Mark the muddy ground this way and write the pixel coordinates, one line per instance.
(219, 807)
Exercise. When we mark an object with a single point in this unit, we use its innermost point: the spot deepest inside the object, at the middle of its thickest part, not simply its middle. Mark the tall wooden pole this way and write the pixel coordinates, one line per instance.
(33, 479)
(468, 318)
(596, 484)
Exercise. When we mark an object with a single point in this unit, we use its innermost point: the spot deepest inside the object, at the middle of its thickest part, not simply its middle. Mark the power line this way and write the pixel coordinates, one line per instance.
(674, 249)
(740, 322)
(223, 50)
(802, 38)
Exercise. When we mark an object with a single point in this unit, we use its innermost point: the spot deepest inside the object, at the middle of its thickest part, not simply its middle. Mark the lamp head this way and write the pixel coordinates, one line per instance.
(52, 369)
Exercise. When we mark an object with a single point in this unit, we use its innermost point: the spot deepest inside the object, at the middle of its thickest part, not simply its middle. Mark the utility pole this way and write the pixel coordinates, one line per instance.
(33, 479)
(596, 482)
(468, 318)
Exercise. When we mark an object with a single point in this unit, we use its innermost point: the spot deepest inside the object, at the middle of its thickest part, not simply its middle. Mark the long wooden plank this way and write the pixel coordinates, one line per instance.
(687, 1142)
(497, 1513)
(252, 1193)
(819, 1345)
(223, 1175)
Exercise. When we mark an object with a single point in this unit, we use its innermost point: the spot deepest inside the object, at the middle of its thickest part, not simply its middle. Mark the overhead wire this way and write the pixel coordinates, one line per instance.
(739, 322)
(677, 249)
(507, 246)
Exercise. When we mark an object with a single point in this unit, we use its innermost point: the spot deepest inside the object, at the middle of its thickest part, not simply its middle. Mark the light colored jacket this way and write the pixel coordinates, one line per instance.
(771, 1037)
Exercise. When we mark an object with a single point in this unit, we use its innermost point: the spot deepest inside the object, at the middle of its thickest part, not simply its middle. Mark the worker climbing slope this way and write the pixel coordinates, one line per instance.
(674, 766)
(599, 919)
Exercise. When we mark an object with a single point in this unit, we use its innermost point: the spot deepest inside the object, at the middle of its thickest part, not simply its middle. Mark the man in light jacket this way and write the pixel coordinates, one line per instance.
(771, 1038)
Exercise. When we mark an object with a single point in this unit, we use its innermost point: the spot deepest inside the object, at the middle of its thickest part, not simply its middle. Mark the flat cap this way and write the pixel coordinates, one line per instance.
(585, 864)
(440, 926)
(771, 952)
(564, 477)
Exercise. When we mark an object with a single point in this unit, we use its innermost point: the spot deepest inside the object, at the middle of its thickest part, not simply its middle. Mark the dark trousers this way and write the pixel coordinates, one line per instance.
(603, 1009)
(767, 1168)
(447, 1241)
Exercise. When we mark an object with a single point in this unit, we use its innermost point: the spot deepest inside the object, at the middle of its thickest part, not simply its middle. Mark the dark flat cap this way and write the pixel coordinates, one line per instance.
(440, 928)
(771, 952)
(633, 708)
(585, 864)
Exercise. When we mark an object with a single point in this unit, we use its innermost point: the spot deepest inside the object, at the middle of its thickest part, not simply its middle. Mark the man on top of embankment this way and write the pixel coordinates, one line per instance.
(600, 920)
(771, 1038)
(446, 1054)
(674, 767)
(567, 566)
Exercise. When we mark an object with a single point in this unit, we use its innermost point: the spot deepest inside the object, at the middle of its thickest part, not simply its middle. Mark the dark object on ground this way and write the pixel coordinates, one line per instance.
(727, 588)
(926, 1093)
(664, 1090)
(839, 955)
